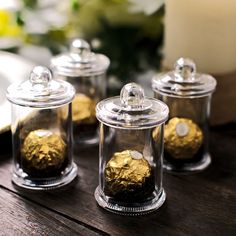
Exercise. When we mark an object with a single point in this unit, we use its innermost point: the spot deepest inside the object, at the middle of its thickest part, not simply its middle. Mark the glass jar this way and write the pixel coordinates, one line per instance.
(86, 71)
(130, 152)
(188, 95)
(41, 131)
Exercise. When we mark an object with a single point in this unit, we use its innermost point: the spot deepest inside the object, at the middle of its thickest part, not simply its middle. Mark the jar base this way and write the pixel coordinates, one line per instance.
(188, 167)
(130, 209)
(20, 179)
(86, 142)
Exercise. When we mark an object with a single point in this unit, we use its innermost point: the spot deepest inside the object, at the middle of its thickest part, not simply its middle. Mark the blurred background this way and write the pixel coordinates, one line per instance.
(129, 32)
(140, 38)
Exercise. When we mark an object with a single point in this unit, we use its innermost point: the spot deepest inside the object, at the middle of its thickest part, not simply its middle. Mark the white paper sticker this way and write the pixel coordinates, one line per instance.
(136, 155)
(182, 129)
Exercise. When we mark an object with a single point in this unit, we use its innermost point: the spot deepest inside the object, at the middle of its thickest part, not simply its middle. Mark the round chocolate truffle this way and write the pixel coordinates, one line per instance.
(43, 151)
(83, 110)
(128, 176)
(182, 138)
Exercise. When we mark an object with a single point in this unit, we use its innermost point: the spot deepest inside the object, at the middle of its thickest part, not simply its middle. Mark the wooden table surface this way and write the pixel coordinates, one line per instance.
(197, 204)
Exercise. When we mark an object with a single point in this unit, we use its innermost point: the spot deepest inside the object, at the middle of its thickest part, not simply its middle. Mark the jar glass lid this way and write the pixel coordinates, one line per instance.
(132, 110)
(41, 90)
(80, 61)
(183, 81)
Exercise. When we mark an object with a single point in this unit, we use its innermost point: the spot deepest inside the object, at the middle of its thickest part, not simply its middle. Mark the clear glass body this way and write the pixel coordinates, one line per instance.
(191, 147)
(85, 124)
(130, 170)
(42, 144)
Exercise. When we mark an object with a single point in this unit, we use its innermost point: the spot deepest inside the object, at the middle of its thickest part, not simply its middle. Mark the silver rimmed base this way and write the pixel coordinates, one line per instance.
(188, 167)
(20, 179)
(90, 141)
(82, 143)
(131, 209)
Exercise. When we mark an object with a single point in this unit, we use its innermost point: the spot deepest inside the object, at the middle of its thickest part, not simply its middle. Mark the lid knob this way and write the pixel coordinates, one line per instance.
(80, 46)
(40, 76)
(185, 69)
(132, 96)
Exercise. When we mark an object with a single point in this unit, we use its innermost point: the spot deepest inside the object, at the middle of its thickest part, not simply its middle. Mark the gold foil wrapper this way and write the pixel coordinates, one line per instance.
(129, 176)
(156, 133)
(182, 138)
(43, 150)
(83, 110)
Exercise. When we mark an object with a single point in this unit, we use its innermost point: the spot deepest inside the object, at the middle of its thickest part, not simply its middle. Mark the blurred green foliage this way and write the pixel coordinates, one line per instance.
(132, 40)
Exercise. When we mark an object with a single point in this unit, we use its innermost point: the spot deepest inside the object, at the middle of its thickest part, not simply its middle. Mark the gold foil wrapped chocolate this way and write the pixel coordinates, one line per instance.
(43, 151)
(128, 177)
(182, 138)
(156, 133)
(83, 110)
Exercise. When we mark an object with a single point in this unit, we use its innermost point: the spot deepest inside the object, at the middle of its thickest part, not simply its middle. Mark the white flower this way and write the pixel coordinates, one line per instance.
(146, 6)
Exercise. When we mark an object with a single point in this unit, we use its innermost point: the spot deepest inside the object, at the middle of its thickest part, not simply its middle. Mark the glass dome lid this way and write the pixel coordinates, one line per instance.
(41, 90)
(132, 110)
(80, 61)
(183, 81)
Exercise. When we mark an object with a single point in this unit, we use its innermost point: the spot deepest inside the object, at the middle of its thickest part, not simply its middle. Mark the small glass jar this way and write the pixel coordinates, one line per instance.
(86, 71)
(130, 152)
(42, 131)
(188, 95)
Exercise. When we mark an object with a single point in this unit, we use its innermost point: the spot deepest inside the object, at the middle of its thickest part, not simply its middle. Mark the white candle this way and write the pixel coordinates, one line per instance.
(204, 30)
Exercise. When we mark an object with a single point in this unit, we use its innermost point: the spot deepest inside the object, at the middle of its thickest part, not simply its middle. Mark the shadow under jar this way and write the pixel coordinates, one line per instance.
(86, 71)
(42, 131)
(188, 96)
(130, 152)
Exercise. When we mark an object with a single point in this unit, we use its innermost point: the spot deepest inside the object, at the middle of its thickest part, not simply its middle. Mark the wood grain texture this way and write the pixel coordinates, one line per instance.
(21, 217)
(202, 203)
